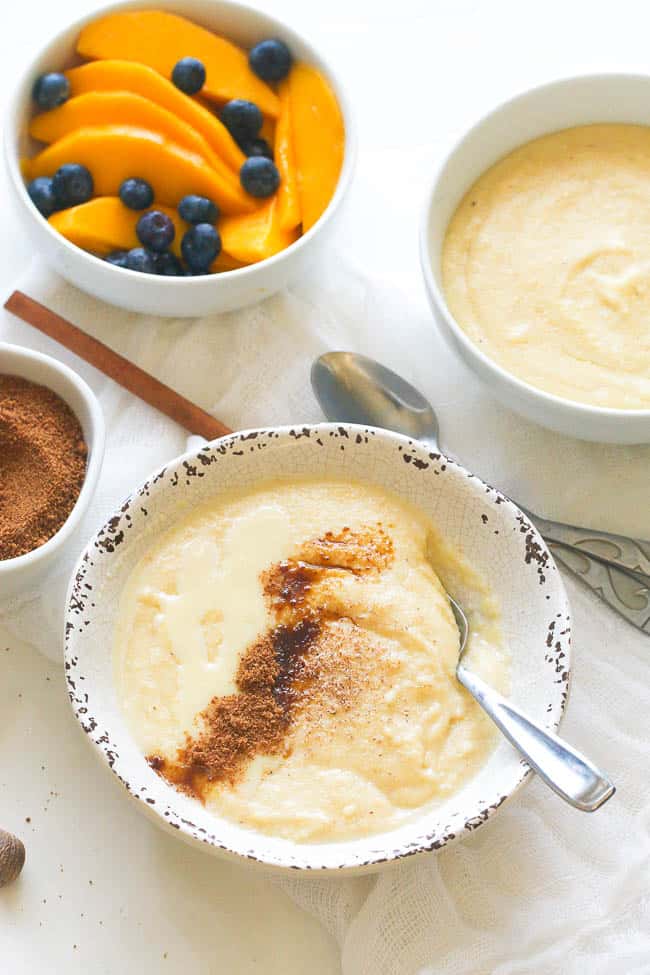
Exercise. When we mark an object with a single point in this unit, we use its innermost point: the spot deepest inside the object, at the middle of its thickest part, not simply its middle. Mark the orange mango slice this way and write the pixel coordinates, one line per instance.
(114, 153)
(252, 237)
(318, 140)
(224, 262)
(124, 108)
(115, 75)
(289, 215)
(160, 39)
(268, 131)
(104, 224)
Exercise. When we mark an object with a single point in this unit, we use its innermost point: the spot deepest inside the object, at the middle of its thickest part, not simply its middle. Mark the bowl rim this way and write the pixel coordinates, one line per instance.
(520, 386)
(163, 281)
(31, 560)
(106, 752)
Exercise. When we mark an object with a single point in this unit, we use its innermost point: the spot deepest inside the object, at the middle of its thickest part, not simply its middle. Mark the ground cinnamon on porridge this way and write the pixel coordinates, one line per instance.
(286, 654)
(42, 464)
(298, 663)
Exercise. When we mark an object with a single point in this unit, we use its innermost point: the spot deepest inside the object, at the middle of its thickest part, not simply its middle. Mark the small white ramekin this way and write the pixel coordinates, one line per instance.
(555, 106)
(27, 571)
(169, 296)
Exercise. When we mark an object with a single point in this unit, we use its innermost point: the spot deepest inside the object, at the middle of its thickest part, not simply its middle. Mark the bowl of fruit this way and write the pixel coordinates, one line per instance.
(181, 159)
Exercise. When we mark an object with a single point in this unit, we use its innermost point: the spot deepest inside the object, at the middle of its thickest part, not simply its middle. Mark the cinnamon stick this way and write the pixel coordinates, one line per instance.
(116, 367)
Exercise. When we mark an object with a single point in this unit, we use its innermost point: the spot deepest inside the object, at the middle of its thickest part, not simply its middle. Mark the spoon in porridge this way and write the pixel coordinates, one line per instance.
(572, 776)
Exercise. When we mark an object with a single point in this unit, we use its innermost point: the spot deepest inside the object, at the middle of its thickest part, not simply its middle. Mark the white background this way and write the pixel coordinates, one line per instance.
(103, 890)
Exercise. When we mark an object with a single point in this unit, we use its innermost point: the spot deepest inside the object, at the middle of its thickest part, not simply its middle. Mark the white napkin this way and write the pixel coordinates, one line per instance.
(541, 888)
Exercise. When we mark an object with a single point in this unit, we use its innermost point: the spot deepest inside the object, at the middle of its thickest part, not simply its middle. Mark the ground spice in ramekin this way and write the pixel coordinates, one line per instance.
(42, 464)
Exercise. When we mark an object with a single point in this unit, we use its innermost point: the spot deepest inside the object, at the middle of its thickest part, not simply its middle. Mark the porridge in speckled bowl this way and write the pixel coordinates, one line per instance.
(281, 687)
(287, 656)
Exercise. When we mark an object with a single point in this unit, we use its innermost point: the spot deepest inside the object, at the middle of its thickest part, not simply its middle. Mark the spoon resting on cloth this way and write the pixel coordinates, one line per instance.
(355, 389)
(568, 773)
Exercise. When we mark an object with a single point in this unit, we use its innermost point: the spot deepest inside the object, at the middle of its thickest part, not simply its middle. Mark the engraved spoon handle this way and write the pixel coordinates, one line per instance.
(632, 554)
(565, 770)
(625, 592)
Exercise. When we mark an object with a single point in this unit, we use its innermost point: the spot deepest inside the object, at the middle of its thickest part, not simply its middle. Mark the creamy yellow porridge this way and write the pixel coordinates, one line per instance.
(287, 656)
(546, 264)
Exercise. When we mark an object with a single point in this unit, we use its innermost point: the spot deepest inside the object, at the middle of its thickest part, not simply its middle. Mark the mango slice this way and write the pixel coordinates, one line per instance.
(104, 224)
(115, 75)
(224, 262)
(268, 131)
(318, 140)
(255, 236)
(124, 108)
(114, 153)
(160, 39)
(289, 215)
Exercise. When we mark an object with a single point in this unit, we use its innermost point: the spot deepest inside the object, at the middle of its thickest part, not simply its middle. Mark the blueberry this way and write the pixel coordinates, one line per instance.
(139, 259)
(200, 246)
(42, 195)
(136, 194)
(118, 258)
(242, 119)
(198, 209)
(270, 60)
(51, 89)
(189, 75)
(72, 184)
(155, 230)
(257, 147)
(259, 176)
(167, 264)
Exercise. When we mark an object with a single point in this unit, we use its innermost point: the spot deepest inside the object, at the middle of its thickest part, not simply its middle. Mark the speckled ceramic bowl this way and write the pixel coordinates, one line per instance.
(490, 531)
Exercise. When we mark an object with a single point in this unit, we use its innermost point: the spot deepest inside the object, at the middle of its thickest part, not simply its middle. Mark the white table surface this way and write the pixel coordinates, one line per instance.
(103, 890)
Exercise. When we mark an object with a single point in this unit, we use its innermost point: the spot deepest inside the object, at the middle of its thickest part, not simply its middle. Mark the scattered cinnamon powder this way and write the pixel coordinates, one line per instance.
(366, 549)
(294, 663)
(42, 464)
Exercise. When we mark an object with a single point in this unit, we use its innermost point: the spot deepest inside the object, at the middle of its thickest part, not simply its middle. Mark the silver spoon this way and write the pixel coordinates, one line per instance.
(572, 776)
(353, 388)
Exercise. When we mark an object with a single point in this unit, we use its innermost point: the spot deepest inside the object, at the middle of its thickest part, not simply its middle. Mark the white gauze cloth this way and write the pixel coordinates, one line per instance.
(541, 888)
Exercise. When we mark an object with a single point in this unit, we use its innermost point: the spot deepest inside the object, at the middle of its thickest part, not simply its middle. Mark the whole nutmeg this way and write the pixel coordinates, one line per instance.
(12, 857)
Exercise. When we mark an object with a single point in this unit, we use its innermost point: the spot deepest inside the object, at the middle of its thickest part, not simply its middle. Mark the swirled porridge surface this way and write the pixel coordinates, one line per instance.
(546, 264)
(286, 655)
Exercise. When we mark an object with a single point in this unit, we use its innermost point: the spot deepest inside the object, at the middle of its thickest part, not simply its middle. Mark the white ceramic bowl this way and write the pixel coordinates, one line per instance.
(28, 571)
(166, 295)
(559, 105)
(490, 531)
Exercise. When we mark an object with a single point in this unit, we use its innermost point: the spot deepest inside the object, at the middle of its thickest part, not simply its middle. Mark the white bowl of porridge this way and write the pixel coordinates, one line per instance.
(281, 683)
(536, 257)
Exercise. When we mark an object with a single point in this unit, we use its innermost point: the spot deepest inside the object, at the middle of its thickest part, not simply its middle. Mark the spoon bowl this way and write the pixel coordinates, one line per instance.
(355, 389)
